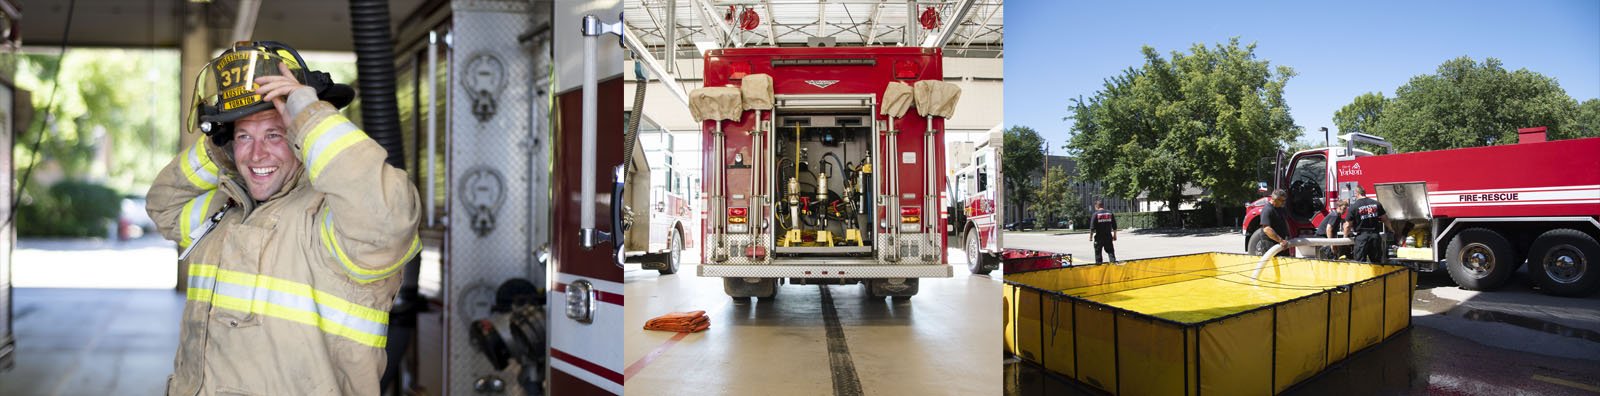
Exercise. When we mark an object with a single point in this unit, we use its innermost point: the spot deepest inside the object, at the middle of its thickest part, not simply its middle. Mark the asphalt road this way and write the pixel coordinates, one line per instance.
(1509, 341)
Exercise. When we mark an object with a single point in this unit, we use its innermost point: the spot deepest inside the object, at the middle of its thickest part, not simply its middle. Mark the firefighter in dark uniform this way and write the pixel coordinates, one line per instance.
(1104, 231)
(1364, 221)
(1275, 222)
(1331, 225)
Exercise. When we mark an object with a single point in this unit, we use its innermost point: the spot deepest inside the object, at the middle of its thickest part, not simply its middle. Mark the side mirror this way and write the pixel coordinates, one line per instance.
(1261, 188)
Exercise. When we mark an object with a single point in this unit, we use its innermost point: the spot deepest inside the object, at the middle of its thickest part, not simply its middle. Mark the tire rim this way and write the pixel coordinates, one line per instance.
(1564, 264)
(1261, 246)
(972, 250)
(677, 251)
(1477, 259)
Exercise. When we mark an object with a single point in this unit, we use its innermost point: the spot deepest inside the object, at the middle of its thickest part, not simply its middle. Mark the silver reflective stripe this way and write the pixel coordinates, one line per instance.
(337, 131)
(301, 303)
(197, 213)
(199, 168)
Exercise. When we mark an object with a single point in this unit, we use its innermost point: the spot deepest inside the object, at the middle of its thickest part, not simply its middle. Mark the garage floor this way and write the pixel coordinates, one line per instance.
(814, 340)
(92, 341)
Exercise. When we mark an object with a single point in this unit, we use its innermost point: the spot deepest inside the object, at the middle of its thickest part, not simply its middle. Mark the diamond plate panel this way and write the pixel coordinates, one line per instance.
(498, 151)
(734, 245)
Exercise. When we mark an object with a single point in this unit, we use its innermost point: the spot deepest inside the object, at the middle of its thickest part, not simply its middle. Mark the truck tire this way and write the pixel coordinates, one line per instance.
(739, 288)
(976, 260)
(1561, 263)
(1480, 259)
(879, 288)
(1258, 242)
(674, 253)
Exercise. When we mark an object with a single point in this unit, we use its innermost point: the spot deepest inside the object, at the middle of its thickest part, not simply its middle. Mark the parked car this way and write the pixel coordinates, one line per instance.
(133, 221)
(1020, 225)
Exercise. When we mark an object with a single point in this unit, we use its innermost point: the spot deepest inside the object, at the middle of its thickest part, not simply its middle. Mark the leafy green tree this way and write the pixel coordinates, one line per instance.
(1468, 104)
(1201, 118)
(1052, 199)
(1023, 154)
(1361, 115)
(1588, 118)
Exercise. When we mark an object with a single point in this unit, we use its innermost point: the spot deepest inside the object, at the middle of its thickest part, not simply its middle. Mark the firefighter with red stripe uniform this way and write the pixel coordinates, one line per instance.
(1365, 219)
(294, 232)
(1103, 232)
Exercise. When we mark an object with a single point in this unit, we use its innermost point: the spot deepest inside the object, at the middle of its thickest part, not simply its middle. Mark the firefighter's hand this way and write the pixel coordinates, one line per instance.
(277, 89)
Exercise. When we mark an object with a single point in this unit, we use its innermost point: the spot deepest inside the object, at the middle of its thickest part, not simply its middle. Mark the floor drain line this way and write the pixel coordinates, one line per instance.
(845, 381)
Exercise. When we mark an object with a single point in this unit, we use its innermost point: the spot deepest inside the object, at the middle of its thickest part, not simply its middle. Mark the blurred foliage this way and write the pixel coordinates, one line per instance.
(1024, 154)
(119, 103)
(70, 208)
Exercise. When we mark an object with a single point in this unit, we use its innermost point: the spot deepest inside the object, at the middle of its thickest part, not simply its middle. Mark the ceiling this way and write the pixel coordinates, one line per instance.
(312, 25)
(979, 33)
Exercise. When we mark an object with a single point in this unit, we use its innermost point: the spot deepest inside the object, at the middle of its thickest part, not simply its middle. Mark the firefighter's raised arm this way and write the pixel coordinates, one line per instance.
(185, 193)
(369, 220)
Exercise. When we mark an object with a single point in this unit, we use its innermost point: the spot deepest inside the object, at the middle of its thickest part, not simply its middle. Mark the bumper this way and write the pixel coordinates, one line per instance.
(826, 271)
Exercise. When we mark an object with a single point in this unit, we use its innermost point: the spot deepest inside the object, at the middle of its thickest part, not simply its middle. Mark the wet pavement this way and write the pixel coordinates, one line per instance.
(815, 340)
(1509, 341)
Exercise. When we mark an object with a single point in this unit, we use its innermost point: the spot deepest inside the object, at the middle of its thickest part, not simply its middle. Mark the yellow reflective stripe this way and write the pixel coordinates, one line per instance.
(207, 276)
(198, 167)
(193, 215)
(326, 140)
(359, 273)
(333, 150)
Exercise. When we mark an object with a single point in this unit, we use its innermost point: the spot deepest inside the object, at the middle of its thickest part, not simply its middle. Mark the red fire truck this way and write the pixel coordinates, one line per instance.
(978, 189)
(1479, 212)
(820, 185)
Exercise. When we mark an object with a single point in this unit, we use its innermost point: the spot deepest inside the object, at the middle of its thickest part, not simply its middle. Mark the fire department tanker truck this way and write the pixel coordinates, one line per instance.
(815, 170)
(1478, 212)
(979, 196)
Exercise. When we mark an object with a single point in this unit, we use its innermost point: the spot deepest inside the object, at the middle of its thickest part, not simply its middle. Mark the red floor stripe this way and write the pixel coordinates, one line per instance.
(649, 357)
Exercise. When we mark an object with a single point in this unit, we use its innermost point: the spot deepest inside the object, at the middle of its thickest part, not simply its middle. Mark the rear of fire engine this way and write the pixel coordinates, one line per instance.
(1479, 213)
(816, 172)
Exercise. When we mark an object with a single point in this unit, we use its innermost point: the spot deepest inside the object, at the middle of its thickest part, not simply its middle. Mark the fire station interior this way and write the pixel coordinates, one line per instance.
(810, 338)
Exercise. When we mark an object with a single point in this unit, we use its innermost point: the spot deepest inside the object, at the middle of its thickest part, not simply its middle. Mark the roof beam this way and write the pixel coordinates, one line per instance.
(641, 54)
(993, 9)
(772, 22)
(949, 28)
(710, 15)
(872, 25)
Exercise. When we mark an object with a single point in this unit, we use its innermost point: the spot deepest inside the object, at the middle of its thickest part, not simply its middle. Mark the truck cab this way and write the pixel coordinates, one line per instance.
(978, 216)
(1307, 180)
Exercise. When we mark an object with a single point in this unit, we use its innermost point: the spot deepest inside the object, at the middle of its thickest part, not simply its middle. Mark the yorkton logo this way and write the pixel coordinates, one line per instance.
(821, 83)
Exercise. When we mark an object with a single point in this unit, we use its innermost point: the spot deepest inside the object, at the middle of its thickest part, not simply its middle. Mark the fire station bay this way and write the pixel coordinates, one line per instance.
(816, 216)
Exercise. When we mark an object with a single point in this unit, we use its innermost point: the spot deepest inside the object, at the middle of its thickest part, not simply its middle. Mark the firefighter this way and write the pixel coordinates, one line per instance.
(1275, 221)
(1331, 225)
(1365, 218)
(1104, 232)
(293, 230)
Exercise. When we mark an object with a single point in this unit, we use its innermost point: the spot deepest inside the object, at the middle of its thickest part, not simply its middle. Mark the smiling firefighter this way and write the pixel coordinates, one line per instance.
(293, 229)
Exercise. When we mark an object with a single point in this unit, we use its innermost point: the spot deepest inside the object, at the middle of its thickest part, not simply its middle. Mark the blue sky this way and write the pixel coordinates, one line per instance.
(1056, 50)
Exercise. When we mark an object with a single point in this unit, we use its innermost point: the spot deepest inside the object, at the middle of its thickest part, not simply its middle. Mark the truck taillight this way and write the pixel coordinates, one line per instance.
(905, 69)
(737, 215)
(736, 212)
(911, 215)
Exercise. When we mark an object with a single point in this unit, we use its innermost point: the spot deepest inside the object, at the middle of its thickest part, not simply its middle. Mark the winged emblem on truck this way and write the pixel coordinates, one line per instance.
(821, 83)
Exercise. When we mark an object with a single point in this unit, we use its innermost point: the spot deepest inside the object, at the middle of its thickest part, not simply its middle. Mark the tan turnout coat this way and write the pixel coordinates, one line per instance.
(290, 296)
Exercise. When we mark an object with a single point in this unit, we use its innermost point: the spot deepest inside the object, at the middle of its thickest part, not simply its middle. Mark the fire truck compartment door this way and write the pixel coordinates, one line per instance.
(896, 99)
(757, 90)
(937, 98)
(1404, 201)
(715, 103)
(637, 201)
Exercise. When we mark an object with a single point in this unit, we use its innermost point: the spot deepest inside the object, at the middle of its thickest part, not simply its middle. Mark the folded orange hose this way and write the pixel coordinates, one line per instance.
(680, 322)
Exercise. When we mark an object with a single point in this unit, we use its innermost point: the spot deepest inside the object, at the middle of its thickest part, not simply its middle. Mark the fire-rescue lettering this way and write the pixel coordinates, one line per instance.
(1487, 197)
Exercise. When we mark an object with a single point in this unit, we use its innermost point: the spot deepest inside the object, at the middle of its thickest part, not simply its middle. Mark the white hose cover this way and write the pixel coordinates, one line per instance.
(757, 89)
(937, 98)
(896, 99)
(715, 103)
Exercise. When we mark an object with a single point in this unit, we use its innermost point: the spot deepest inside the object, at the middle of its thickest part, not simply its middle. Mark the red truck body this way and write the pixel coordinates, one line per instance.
(1479, 212)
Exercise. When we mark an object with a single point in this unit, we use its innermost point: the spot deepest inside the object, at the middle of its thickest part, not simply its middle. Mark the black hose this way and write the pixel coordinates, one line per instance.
(374, 47)
(380, 118)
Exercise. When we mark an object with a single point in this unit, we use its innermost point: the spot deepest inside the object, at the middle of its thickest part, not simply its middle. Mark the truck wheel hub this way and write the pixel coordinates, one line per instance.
(1479, 260)
(1564, 264)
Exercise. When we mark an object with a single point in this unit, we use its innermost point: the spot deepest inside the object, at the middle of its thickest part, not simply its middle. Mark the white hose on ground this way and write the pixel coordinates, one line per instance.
(1297, 242)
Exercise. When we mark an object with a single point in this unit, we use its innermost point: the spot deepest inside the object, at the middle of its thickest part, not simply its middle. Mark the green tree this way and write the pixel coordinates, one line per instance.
(1361, 115)
(1468, 104)
(1588, 119)
(1023, 154)
(1052, 199)
(1203, 118)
